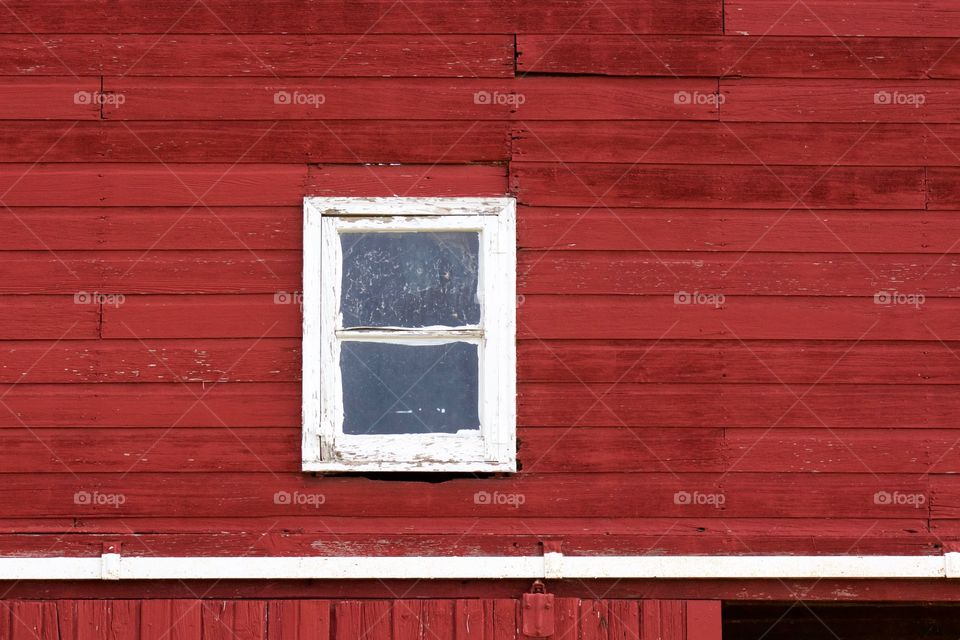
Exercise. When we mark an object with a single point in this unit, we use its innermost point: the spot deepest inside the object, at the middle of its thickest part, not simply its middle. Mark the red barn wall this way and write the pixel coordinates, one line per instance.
(400, 619)
(734, 151)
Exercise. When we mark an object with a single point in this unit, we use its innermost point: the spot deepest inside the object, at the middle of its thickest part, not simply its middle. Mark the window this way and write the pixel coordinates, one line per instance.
(409, 334)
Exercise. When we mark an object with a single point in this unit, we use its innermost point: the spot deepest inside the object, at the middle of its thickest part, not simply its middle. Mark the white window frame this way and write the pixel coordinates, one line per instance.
(491, 449)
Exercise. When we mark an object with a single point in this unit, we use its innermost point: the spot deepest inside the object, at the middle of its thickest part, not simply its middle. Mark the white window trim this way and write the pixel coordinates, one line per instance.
(493, 448)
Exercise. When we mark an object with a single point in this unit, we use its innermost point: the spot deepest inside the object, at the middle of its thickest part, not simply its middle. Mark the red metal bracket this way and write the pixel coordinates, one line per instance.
(537, 612)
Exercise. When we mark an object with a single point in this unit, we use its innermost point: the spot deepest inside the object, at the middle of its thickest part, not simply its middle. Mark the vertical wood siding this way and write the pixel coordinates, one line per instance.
(399, 619)
(715, 197)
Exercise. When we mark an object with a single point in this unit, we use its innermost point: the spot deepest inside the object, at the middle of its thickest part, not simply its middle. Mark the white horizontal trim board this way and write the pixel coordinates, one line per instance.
(112, 566)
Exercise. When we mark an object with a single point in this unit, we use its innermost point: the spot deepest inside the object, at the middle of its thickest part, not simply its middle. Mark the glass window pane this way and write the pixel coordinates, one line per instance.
(400, 388)
(410, 279)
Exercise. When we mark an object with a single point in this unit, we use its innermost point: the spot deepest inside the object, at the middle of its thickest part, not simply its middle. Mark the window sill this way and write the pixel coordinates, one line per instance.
(421, 466)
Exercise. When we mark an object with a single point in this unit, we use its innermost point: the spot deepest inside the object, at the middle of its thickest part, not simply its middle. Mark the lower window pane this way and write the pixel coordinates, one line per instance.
(400, 388)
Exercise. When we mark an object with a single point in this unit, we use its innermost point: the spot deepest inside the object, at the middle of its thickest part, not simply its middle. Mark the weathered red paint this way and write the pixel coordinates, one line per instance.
(656, 148)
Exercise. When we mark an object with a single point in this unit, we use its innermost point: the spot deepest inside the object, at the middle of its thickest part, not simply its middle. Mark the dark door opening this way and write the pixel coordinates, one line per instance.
(829, 621)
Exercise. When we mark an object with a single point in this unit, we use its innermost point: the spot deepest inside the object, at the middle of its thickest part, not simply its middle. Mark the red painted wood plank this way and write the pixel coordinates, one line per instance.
(369, 16)
(719, 538)
(46, 318)
(124, 620)
(704, 620)
(842, 17)
(902, 363)
(168, 405)
(254, 316)
(738, 405)
(760, 100)
(293, 532)
(771, 143)
(691, 495)
(170, 620)
(400, 99)
(564, 450)
(438, 620)
(345, 141)
(59, 55)
(943, 188)
(303, 99)
(594, 620)
(672, 620)
(234, 620)
(639, 230)
(687, 536)
(119, 450)
(684, 186)
(406, 616)
(157, 272)
(151, 228)
(131, 184)
(377, 619)
(50, 98)
(602, 272)
(99, 619)
(81, 619)
(739, 318)
(946, 66)
(945, 502)
(671, 99)
(257, 55)
(849, 590)
(299, 544)
(298, 619)
(250, 360)
(469, 618)
(432, 55)
(842, 450)
(275, 17)
(31, 621)
(667, 620)
(619, 16)
(624, 619)
(619, 55)
(568, 617)
(355, 619)
(765, 56)
(502, 623)
(650, 626)
(409, 181)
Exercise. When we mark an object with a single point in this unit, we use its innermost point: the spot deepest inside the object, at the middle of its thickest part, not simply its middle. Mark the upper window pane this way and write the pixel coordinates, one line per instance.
(410, 279)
